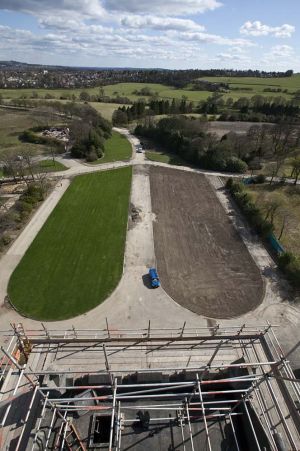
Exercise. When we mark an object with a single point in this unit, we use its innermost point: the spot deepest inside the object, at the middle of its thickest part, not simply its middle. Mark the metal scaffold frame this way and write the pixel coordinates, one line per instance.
(268, 386)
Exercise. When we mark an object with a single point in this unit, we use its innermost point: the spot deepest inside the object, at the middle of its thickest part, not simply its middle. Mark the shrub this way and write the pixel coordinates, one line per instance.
(6, 239)
(265, 228)
(234, 164)
(285, 259)
(229, 183)
(292, 271)
(33, 194)
(31, 200)
(23, 207)
(92, 156)
(260, 178)
(237, 187)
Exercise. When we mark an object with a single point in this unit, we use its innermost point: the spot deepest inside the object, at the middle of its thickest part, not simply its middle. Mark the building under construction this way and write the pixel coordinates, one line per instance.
(150, 389)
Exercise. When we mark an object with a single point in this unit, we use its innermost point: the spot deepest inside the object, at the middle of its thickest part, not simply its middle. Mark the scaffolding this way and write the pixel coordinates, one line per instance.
(205, 386)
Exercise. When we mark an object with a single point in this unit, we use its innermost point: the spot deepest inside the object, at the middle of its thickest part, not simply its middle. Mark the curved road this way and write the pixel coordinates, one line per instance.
(133, 304)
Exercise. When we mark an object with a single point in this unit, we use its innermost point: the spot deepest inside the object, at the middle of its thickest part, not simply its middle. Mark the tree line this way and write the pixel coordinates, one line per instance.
(189, 139)
(88, 133)
(254, 109)
(123, 115)
(192, 140)
(262, 221)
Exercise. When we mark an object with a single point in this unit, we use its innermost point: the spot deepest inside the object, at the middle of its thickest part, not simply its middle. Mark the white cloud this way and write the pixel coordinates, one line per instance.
(162, 7)
(206, 38)
(88, 8)
(60, 23)
(256, 28)
(282, 51)
(280, 57)
(90, 41)
(233, 57)
(160, 23)
(97, 8)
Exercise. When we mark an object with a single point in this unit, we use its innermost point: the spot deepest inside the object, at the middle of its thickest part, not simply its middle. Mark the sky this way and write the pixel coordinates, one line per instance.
(172, 34)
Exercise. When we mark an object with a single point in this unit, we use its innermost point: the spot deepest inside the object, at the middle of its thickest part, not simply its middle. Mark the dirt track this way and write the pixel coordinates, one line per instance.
(202, 261)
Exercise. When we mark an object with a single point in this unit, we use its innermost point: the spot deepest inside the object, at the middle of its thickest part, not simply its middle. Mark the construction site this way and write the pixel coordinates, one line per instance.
(185, 389)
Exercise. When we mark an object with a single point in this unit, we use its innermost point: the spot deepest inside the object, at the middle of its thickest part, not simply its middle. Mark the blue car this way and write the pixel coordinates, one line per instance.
(155, 283)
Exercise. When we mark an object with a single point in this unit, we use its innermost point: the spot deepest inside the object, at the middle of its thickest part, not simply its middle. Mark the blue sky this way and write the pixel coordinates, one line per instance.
(257, 34)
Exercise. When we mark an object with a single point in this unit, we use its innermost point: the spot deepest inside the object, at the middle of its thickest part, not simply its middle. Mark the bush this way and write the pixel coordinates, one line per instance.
(92, 156)
(33, 194)
(265, 228)
(237, 187)
(229, 183)
(6, 239)
(31, 200)
(292, 271)
(285, 259)
(260, 178)
(23, 207)
(234, 164)
(252, 213)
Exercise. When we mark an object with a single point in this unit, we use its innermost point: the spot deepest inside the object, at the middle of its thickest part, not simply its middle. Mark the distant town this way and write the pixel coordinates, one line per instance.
(14, 74)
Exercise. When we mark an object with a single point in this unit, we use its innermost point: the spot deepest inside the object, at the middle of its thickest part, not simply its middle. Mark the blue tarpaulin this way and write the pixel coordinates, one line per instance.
(275, 244)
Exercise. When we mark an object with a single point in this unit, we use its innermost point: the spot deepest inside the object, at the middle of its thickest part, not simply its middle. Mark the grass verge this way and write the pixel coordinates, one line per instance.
(76, 260)
(116, 148)
(51, 166)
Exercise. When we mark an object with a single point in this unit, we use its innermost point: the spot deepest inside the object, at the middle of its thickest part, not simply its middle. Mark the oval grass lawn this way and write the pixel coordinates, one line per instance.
(76, 260)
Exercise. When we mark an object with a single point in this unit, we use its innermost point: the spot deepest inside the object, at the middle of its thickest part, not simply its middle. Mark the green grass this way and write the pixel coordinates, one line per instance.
(168, 92)
(258, 85)
(51, 166)
(119, 89)
(105, 109)
(288, 198)
(76, 260)
(12, 124)
(116, 148)
(164, 157)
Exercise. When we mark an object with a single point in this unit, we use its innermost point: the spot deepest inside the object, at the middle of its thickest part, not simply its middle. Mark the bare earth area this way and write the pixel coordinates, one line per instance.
(221, 128)
(202, 261)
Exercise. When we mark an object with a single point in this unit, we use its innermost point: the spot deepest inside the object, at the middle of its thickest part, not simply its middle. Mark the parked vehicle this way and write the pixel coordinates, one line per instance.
(155, 283)
(139, 149)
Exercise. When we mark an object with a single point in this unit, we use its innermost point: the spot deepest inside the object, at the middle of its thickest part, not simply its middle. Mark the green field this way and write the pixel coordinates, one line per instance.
(168, 92)
(12, 124)
(116, 148)
(105, 109)
(119, 89)
(258, 85)
(76, 260)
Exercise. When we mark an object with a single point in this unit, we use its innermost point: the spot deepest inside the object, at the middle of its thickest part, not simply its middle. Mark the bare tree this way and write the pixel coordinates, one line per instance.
(295, 169)
(9, 159)
(287, 220)
(272, 207)
(258, 137)
(284, 140)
